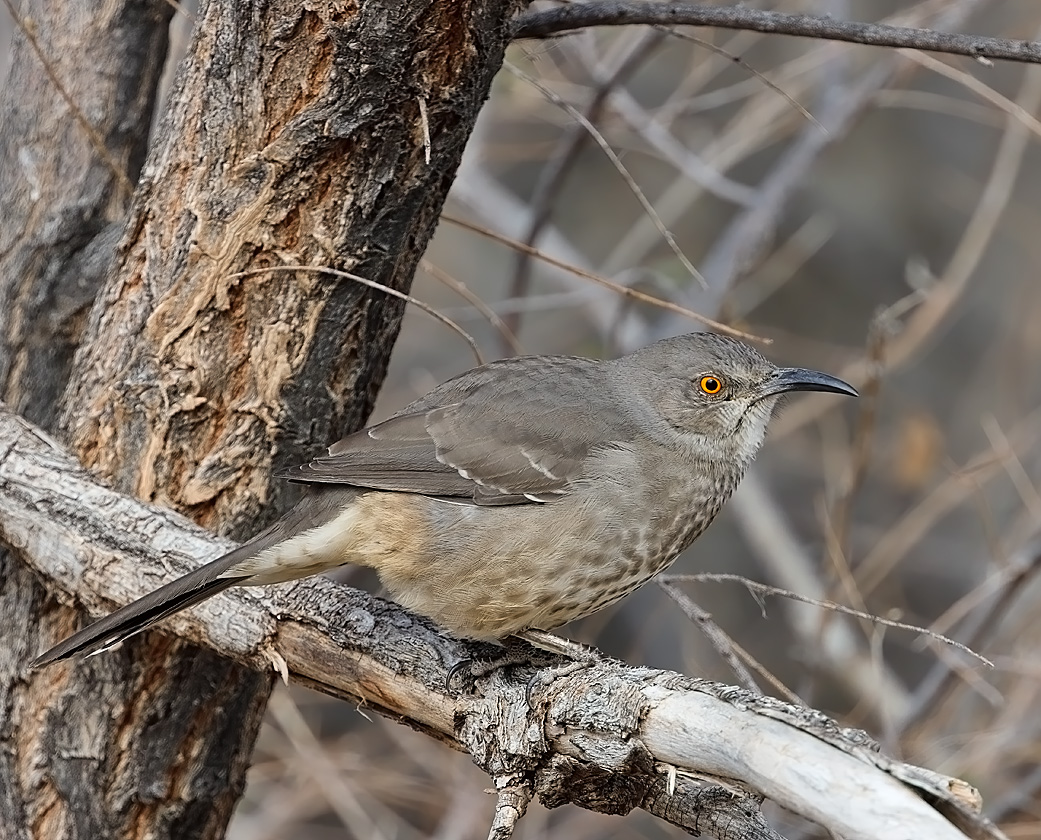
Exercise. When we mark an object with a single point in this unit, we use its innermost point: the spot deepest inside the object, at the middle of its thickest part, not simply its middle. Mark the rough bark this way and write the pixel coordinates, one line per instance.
(65, 186)
(65, 199)
(326, 135)
(295, 135)
(609, 738)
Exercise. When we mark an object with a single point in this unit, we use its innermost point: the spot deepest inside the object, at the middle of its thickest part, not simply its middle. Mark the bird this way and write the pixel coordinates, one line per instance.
(517, 496)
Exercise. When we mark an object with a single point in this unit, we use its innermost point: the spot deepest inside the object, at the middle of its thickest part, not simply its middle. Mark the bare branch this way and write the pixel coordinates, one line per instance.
(512, 803)
(633, 294)
(566, 154)
(607, 738)
(717, 636)
(544, 24)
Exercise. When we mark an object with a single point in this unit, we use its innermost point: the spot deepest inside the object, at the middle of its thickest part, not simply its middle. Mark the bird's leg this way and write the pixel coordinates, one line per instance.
(560, 646)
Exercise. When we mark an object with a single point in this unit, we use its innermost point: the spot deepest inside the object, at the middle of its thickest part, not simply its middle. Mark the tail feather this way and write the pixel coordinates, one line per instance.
(314, 510)
(143, 613)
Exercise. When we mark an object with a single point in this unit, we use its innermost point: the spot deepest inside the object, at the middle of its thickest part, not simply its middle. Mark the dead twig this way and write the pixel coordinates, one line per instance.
(512, 799)
(616, 161)
(509, 338)
(551, 22)
(719, 639)
(372, 284)
(765, 589)
(554, 174)
(634, 294)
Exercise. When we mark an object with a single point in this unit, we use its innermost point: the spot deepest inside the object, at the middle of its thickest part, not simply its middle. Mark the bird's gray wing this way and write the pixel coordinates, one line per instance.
(513, 432)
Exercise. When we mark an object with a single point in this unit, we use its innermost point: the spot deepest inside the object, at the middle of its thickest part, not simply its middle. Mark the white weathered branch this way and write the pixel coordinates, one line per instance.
(610, 737)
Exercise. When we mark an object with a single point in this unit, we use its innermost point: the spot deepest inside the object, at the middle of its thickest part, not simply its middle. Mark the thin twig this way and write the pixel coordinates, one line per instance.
(550, 22)
(510, 341)
(892, 546)
(96, 140)
(740, 62)
(766, 589)
(554, 173)
(1024, 567)
(669, 306)
(616, 161)
(837, 519)
(863, 436)
(1014, 468)
(486, 198)
(372, 284)
(978, 87)
(322, 770)
(718, 637)
(748, 235)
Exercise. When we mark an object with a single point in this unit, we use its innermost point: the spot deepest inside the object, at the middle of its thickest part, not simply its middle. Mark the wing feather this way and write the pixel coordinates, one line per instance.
(513, 432)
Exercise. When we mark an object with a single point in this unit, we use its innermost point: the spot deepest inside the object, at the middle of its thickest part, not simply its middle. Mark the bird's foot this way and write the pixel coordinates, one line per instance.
(581, 656)
(517, 650)
(514, 652)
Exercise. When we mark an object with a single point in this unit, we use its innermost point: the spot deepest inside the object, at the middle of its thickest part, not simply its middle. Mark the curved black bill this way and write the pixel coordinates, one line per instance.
(802, 379)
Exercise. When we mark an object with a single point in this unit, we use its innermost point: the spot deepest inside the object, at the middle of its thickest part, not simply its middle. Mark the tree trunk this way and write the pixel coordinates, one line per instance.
(326, 136)
(65, 187)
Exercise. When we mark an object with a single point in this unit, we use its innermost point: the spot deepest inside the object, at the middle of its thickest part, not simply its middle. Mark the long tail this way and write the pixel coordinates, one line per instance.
(155, 606)
(318, 507)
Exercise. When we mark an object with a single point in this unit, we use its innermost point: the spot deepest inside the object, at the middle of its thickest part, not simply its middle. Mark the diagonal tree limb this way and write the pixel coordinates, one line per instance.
(610, 738)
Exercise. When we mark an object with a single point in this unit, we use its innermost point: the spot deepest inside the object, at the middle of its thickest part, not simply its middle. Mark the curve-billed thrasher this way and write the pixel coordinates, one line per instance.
(518, 496)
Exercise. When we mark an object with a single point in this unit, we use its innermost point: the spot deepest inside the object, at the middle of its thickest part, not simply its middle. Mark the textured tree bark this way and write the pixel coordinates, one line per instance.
(320, 136)
(295, 136)
(63, 202)
(65, 188)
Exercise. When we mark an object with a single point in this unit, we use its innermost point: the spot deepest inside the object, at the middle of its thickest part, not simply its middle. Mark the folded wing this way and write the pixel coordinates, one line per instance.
(515, 432)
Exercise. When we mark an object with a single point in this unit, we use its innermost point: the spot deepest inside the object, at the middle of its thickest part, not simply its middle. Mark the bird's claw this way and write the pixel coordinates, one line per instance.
(535, 651)
(544, 677)
(513, 653)
(456, 670)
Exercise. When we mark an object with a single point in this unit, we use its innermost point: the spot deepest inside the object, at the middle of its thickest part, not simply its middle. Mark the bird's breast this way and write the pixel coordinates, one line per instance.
(488, 572)
(679, 510)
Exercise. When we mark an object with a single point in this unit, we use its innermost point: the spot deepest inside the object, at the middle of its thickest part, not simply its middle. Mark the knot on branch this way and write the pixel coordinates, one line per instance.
(615, 787)
(577, 741)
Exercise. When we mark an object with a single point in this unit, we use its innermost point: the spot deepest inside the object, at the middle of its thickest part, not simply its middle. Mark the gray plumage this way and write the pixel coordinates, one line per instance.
(522, 494)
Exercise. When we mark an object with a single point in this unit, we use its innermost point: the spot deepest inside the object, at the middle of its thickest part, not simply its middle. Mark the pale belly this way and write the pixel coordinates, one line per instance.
(488, 572)
(506, 569)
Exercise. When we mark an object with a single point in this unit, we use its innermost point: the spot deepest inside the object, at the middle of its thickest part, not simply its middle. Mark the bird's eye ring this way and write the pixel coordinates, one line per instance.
(710, 385)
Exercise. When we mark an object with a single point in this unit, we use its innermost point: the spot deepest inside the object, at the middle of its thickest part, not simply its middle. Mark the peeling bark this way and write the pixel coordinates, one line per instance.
(295, 134)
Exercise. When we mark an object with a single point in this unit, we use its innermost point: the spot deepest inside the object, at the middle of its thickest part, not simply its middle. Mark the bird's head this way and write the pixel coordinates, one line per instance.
(717, 393)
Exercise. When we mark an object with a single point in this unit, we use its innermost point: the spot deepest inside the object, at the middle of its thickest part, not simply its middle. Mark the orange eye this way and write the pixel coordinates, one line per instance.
(711, 385)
